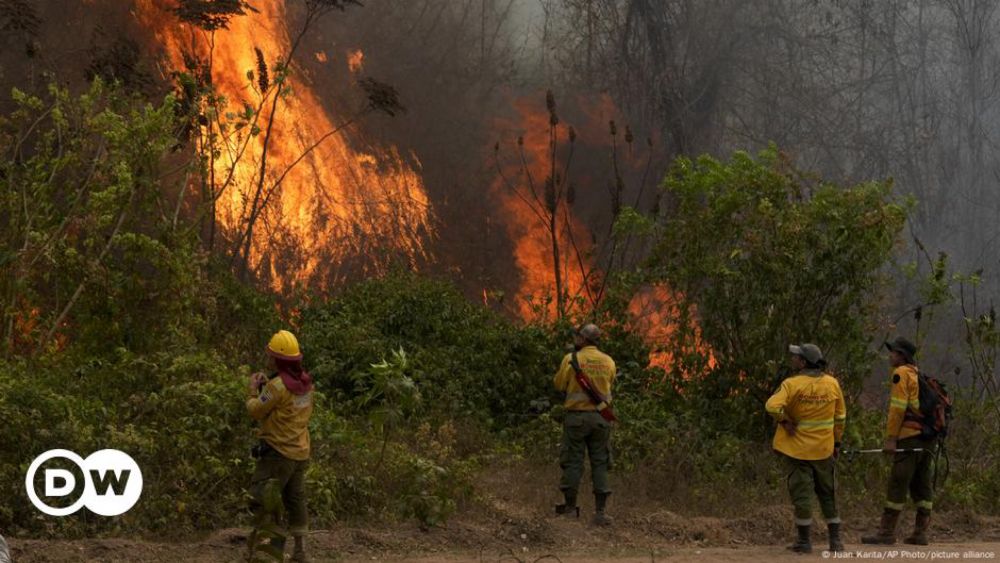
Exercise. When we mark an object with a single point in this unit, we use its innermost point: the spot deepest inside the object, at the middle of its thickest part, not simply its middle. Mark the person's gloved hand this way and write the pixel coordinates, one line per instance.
(256, 380)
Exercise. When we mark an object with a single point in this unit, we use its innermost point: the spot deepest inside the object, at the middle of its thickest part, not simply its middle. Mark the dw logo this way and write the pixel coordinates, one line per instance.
(112, 482)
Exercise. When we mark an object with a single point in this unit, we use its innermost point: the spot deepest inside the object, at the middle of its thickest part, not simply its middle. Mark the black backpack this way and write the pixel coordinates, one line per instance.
(935, 408)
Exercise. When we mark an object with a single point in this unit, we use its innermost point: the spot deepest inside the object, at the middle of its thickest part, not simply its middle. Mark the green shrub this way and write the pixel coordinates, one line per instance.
(467, 361)
(761, 255)
(181, 418)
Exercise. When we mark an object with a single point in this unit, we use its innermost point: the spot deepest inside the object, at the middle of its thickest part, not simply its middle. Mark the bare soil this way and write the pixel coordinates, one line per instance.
(478, 537)
(511, 521)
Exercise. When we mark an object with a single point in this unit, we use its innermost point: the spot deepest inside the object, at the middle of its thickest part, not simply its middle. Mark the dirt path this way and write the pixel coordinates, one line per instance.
(513, 533)
(954, 552)
(227, 546)
(104, 551)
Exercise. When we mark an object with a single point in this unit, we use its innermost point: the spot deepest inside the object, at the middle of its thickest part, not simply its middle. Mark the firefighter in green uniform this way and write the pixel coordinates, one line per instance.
(912, 471)
(810, 411)
(585, 430)
(282, 403)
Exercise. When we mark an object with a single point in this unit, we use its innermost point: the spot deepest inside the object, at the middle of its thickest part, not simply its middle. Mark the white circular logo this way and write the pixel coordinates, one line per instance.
(112, 482)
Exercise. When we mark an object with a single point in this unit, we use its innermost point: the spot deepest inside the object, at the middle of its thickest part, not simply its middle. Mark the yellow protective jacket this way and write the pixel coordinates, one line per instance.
(904, 395)
(815, 403)
(283, 417)
(598, 366)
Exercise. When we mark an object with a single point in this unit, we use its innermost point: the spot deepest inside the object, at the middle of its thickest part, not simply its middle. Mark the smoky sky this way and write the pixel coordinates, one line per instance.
(852, 90)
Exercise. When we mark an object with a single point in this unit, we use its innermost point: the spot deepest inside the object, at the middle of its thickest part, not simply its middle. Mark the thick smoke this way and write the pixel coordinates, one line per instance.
(852, 90)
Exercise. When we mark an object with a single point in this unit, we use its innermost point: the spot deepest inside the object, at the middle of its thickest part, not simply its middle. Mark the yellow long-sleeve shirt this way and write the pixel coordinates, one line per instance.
(284, 418)
(815, 403)
(904, 394)
(598, 366)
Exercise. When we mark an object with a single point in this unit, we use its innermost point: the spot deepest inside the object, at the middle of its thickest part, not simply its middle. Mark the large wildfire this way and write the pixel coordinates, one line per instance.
(519, 191)
(337, 204)
(350, 201)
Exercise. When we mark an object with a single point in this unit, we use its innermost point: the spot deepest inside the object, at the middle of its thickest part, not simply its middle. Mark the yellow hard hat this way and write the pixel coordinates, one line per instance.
(284, 346)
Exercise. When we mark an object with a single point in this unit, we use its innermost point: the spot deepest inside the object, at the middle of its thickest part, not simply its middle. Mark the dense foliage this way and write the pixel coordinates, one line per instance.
(121, 331)
(761, 255)
(470, 361)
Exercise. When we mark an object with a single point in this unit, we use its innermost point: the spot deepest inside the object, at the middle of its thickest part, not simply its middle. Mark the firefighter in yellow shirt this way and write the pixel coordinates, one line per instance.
(282, 404)
(912, 471)
(585, 431)
(810, 411)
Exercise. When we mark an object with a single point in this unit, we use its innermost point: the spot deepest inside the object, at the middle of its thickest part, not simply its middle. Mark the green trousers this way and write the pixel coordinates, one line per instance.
(585, 432)
(913, 473)
(278, 481)
(808, 477)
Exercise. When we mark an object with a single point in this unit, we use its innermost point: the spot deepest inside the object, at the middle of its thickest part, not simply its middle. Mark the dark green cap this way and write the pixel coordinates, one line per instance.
(904, 347)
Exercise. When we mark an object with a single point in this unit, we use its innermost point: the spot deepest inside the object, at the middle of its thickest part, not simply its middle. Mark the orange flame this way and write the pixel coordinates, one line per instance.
(654, 311)
(27, 327)
(355, 59)
(528, 231)
(338, 202)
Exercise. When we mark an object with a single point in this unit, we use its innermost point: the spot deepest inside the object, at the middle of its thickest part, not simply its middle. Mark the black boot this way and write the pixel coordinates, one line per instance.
(887, 529)
(802, 544)
(600, 517)
(568, 507)
(919, 536)
(833, 531)
(299, 555)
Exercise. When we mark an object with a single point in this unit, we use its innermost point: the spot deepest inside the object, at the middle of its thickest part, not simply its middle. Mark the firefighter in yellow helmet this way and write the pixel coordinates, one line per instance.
(810, 411)
(282, 403)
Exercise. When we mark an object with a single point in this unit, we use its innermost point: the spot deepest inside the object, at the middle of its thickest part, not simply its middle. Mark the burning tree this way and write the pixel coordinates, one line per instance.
(552, 197)
(296, 201)
(211, 15)
(580, 262)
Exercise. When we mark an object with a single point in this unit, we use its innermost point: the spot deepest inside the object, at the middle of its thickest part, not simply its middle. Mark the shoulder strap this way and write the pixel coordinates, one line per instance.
(583, 381)
(599, 401)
